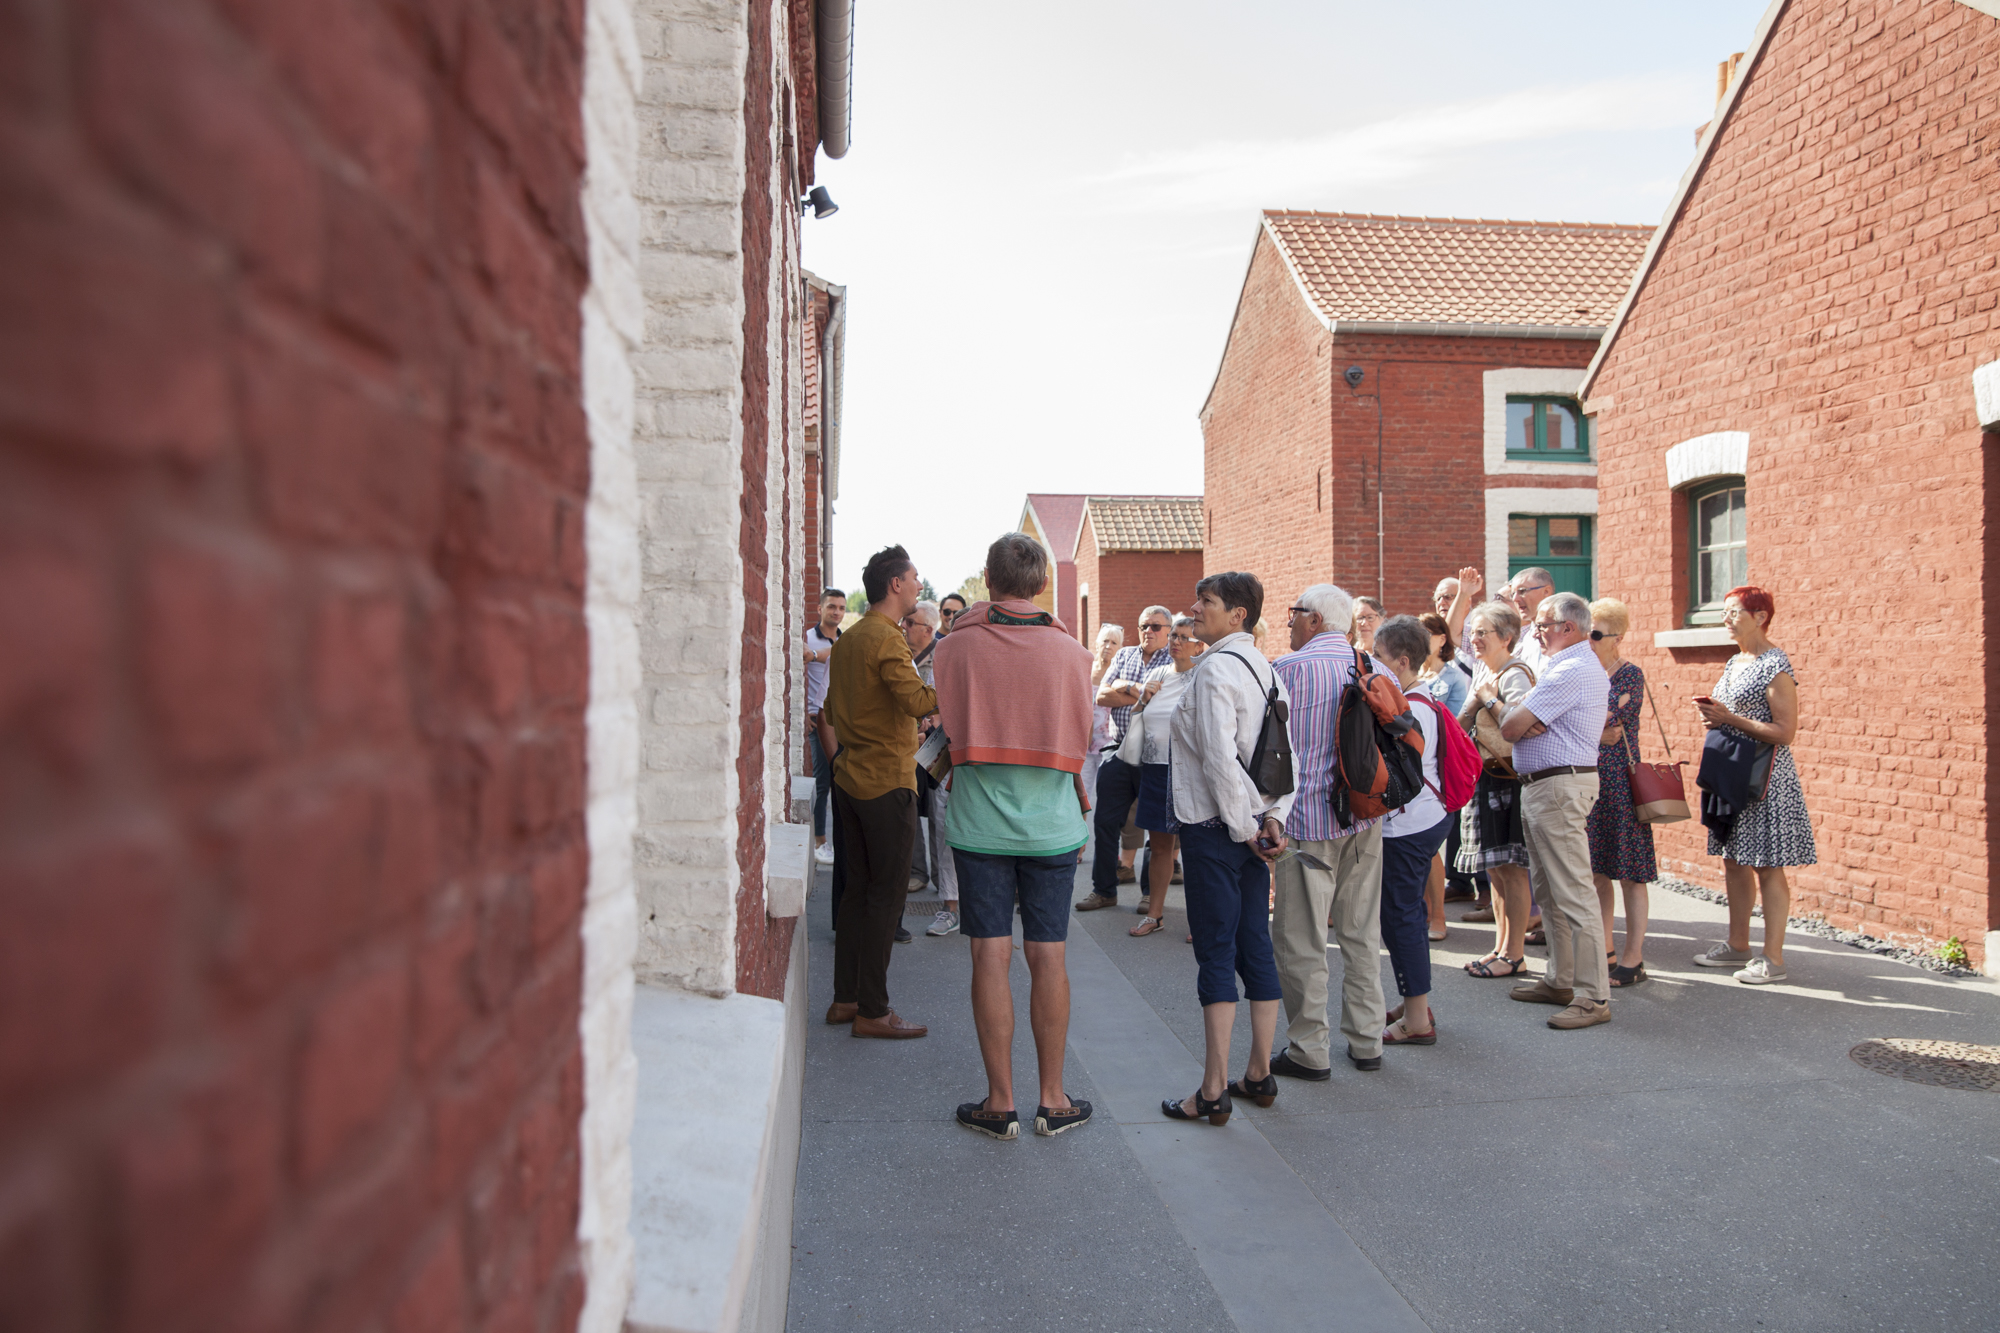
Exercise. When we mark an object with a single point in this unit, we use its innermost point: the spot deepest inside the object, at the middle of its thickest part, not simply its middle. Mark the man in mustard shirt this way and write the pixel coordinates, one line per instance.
(873, 700)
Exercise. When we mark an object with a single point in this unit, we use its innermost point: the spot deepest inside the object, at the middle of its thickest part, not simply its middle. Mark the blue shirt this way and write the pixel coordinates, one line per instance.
(1314, 678)
(1570, 698)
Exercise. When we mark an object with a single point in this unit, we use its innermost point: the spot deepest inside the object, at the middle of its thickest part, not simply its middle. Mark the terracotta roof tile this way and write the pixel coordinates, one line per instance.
(1367, 268)
(1145, 522)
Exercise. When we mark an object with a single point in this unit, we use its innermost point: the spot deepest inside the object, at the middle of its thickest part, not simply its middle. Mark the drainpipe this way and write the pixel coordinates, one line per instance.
(835, 32)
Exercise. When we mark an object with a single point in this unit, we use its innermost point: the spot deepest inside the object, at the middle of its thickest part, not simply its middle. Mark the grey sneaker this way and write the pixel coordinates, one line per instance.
(1096, 902)
(944, 923)
(1760, 972)
(1722, 956)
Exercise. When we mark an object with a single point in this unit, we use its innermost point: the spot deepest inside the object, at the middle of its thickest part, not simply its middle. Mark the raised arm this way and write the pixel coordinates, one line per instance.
(1470, 584)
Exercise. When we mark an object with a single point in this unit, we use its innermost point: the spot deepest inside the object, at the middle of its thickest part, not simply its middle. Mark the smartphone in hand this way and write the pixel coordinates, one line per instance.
(1703, 699)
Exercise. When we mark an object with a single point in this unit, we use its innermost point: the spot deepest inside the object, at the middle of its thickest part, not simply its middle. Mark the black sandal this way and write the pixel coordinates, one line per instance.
(1628, 976)
(1215, 1112)
(1484, 967)
(1262, 1091)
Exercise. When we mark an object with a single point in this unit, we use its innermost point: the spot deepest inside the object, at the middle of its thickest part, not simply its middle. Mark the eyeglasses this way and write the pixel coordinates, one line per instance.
(1180, 638)
(1549, 626)
(1598, 634)
(1155, 629)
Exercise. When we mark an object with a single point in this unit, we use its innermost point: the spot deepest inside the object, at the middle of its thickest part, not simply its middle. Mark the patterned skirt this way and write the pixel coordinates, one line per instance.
(1491, 831)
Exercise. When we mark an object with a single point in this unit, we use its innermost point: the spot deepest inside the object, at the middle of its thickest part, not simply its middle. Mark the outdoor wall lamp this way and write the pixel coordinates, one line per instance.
(1354, 376)
(820, 202)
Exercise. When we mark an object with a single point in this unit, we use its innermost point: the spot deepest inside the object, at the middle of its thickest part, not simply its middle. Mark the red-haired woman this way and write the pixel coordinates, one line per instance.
(1758, 697)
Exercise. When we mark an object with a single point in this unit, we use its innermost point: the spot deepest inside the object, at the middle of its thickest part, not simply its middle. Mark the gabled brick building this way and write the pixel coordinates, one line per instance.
(1800, 391)
(1133, 551)
(1053, 520)
(1462, 432)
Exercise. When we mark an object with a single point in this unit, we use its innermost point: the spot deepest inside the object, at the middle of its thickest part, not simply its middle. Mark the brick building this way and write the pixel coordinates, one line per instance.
(1133, 551)
(1461, 442)
(1791, 396)
(823, 351)
(1053, 520)
(402, 465)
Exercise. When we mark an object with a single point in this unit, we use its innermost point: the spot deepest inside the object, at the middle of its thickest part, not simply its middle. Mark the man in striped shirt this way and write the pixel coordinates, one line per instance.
(1334, 869)
(1118, 781)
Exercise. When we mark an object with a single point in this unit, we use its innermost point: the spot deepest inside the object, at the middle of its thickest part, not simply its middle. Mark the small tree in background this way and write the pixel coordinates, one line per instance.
(974, 590)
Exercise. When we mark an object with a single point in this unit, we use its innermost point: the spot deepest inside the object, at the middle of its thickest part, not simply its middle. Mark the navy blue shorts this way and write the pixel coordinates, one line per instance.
(989, 886)
(1156, 798)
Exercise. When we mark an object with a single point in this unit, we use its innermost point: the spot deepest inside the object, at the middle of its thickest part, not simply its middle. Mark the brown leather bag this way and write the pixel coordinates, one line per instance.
(1496, 750)
(1659, 795)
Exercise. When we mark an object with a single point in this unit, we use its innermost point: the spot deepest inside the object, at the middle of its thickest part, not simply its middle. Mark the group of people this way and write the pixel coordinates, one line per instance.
(1162, 748)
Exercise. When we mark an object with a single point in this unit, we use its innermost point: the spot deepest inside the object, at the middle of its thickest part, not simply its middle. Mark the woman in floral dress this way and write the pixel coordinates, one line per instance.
(1758, 697)
(1621, 848)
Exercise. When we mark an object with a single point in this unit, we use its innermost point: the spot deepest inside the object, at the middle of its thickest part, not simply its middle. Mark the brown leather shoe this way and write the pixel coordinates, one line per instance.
(838, 1013)
(888, 1025)
(1582, 1014)
(1539, 991)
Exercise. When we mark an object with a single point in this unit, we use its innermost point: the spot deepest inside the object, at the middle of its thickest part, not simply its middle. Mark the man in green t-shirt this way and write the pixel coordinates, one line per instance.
(1015, 699)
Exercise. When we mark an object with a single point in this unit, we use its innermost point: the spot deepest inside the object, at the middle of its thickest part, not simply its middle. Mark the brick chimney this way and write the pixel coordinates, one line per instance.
(1725, 70)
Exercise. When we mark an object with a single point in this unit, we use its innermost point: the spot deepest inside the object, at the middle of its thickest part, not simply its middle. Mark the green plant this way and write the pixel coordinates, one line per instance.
(1953, 951)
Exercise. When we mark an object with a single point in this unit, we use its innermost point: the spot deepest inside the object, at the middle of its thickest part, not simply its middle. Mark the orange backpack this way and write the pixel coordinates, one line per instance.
(1378, 746)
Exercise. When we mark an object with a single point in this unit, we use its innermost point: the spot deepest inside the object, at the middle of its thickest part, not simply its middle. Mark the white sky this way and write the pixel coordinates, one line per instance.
(1049, 207)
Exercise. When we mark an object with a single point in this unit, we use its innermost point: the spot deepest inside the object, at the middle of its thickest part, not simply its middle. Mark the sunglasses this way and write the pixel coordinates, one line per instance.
(1598, 634)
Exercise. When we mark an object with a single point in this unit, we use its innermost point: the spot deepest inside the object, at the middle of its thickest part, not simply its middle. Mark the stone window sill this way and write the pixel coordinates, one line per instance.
(1701, 636)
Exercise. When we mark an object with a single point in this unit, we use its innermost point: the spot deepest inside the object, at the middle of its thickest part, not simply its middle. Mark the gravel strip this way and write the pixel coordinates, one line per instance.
(1929, 962)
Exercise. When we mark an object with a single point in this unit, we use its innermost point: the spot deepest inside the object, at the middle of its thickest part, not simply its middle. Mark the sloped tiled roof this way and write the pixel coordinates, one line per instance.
(1060, 517)
(1364, 268)
(1145, 522)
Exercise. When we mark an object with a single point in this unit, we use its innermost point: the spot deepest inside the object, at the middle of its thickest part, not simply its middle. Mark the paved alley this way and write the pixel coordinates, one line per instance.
(1712, 1159)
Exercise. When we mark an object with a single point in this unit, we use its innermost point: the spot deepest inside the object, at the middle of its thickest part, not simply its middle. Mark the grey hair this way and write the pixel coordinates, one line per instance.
(1406, 637)
(1332, 604)
(1115, 631)
(927, 611)
(1161, 609)
(1567, 606)
(1499, 617)
(1017, 566)
(1182, 622)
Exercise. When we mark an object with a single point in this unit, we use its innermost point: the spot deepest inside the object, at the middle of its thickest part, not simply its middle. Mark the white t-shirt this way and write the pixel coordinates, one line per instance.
(1153, 741)
(1424, 809)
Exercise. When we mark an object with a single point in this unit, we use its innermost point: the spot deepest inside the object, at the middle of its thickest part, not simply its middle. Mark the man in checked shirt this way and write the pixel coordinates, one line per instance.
(1118, 781)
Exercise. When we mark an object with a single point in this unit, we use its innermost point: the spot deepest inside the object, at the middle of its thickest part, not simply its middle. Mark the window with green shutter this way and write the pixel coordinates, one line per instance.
(1718, 543)
(1559, 543)
(1547, 430)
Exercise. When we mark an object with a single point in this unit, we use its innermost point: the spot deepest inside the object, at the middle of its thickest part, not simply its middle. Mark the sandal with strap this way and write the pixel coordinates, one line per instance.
(1148, 925)
(1216, 1112)
(1262, 1091)
(1535, 937)
(1628, 976)
(1409, 1038)
(1485, 966)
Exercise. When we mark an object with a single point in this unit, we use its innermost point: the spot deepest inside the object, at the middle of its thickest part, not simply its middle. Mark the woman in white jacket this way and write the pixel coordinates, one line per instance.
(1230, 833)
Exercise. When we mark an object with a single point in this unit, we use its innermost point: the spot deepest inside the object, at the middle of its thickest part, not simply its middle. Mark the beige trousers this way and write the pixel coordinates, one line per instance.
(1556, 810)
(1351, 889)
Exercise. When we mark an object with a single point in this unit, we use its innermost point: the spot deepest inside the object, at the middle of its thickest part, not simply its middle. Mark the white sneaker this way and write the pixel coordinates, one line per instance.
(1760, 972)
(944, 923)
(1722, 956)
(824, 853)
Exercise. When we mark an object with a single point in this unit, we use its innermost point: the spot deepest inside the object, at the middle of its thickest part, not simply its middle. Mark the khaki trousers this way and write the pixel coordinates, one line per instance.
(1556, 810)
(1352, 891)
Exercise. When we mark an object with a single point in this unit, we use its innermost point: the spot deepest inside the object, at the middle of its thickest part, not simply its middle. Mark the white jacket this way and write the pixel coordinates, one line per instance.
(1215, 729)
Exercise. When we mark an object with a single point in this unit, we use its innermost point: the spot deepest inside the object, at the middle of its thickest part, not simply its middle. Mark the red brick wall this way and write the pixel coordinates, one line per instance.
(1124, 583)
(292, 476)
(1290, 463)
(1829, 288)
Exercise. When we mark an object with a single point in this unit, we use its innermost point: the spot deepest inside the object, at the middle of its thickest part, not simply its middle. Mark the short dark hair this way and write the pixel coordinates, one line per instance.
(1016, 567)
(1404, 636)
(888, 563)
(952, 597)
(1233, 589)
(828, 594)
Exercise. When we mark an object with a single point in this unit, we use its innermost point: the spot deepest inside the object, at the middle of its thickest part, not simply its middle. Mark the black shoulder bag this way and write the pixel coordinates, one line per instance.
(1270, 766)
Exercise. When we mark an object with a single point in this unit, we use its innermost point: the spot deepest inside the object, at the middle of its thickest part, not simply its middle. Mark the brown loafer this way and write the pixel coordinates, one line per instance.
(1095, 902)
(1538, 991)
(838, 1013)
(1479, 915)
(1582, 1014)
(888, 1025)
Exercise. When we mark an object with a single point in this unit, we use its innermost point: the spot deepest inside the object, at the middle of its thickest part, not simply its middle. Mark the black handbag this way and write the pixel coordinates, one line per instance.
(1270, 766)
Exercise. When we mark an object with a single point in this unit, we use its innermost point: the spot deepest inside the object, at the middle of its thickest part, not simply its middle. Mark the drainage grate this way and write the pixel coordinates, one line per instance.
(1941, 1064)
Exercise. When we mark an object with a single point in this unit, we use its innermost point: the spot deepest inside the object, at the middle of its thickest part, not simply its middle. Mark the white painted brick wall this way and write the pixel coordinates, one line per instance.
(689, 187)
(613, 323)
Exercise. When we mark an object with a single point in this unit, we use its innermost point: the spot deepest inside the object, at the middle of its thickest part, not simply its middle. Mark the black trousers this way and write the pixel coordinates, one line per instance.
(1117, 789)
(874, 860)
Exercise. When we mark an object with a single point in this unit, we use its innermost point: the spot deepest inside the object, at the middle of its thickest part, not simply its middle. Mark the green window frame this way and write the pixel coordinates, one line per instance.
(1547, 430)
(1718, 546)
(1563, 544)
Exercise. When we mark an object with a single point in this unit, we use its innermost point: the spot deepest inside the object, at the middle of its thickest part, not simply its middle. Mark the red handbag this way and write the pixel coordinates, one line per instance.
(1659, 796)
